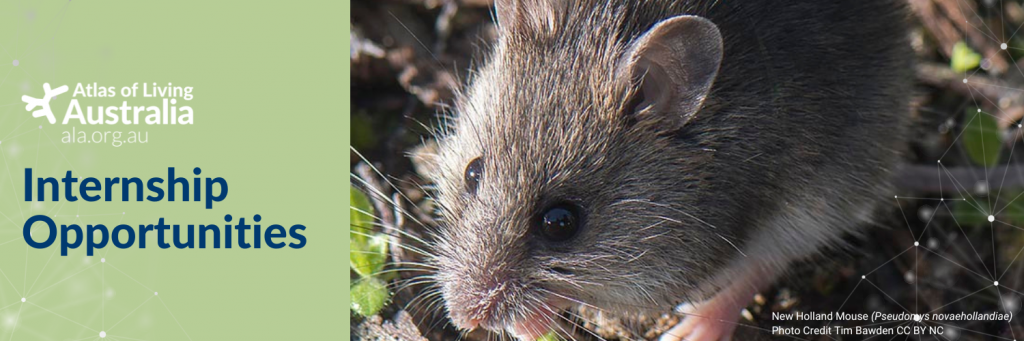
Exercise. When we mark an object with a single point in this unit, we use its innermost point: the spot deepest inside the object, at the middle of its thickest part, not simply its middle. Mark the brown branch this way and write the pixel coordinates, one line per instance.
(1005, 98)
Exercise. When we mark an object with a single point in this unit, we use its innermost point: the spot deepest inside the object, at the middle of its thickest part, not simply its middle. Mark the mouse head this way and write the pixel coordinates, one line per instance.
(563, 180)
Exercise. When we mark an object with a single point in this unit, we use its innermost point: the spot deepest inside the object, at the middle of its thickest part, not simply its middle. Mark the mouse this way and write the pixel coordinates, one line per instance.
(638, 156)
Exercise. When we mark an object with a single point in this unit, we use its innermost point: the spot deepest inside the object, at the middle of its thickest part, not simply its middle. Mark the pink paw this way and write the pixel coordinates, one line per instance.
(711, 321)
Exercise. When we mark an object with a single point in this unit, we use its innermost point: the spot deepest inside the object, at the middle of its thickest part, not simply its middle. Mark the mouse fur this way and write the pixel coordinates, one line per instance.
(792, 143)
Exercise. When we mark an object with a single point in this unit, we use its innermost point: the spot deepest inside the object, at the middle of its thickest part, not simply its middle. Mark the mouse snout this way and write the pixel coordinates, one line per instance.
(464, 322)
(479, 299)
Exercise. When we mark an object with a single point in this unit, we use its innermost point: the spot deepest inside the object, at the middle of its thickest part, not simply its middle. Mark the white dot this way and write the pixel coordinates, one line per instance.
(863, 277)
(104, 260)
(996, 283)
(22, 299)
(76, 216)
(103, 334)
(156, 293)
(896, 196)
(15, 62)
(965, 80)
(917, 243)
(1002, 46)
(991, 218)
(917, 317)
(122, 212)
(1019, 125)
(979, 109)
(40, 127)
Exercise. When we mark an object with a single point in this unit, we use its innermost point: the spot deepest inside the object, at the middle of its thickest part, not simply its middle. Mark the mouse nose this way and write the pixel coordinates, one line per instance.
(465, 322)
(478, 301)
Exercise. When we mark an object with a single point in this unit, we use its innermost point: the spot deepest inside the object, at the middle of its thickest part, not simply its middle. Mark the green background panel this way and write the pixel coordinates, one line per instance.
(270, 108)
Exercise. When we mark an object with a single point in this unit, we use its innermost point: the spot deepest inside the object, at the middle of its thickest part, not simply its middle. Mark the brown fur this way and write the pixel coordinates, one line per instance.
(799, 131)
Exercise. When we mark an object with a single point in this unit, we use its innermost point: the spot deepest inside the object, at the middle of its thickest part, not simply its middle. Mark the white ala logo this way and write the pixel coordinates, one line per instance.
(43, 102)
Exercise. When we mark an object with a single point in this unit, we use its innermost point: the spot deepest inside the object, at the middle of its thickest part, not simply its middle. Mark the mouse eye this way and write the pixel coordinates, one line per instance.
(474, 171)
(560, 222)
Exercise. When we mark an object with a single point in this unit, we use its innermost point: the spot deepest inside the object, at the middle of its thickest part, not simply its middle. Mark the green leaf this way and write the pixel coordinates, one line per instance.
(368, 258)
(981, 138)
(963, 58)
(369, 296)
(360, 214)
(367, 250)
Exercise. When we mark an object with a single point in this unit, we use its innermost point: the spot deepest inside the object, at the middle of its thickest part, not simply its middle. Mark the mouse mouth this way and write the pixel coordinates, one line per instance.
(536, 323)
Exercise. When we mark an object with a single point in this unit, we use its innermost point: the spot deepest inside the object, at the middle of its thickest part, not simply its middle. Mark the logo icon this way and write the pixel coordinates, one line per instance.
(43, 102)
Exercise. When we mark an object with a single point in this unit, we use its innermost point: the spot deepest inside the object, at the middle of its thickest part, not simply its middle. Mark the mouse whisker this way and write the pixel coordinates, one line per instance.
(588, 305)
(566, 334)
(427, 189)
(433, 305)
(415, 238)
(397, 243)
(397, 270)
(651, 226)
(403, 246)
(669, 219)
(626, 254)
(647, 293)
(656, 236)
(378, 195)
(426, 303)
(670, 207)
(415, 37)
(405, 284)
(378, 192)
(428, 267)
(731, 244)
(577, 325)
(567, 298)
(592, 333)
(561, 330)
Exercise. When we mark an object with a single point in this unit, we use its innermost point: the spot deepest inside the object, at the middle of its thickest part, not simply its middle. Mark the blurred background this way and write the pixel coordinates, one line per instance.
(958, 194)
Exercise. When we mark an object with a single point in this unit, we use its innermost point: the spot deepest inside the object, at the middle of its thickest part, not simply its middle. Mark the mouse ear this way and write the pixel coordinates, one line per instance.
(673, 66)
(535, 15)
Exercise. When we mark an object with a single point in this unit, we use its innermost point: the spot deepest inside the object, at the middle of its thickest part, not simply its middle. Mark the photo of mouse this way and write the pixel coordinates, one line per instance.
(635, 154)
(642, 157)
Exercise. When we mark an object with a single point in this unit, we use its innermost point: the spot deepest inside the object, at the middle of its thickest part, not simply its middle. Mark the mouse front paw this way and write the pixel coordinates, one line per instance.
(714, 320)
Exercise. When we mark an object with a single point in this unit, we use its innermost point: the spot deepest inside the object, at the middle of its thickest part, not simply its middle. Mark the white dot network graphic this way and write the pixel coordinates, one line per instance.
(982, 201)
(41, 294)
